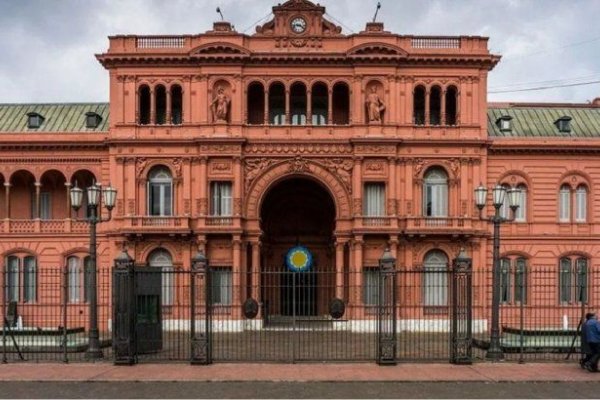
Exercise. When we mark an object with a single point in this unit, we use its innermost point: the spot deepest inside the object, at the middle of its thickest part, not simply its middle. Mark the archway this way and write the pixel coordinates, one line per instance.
(298, 212)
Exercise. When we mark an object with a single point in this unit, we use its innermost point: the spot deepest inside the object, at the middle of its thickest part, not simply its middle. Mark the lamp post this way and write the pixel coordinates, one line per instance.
(499, 193)
(94, 194)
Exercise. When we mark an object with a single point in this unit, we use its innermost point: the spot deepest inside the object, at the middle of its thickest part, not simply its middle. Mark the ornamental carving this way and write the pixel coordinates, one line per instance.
(357, 206)
(376, 167)
(140, 166)
(221, 104)
(342, 168)
(218, 148)
(377, 149)
(375, 106)
(177, 164)
(309, 148)
(418, 166)
(221, 167)
(391, 207)
(253, 168)
(298, 164)
(237, 206)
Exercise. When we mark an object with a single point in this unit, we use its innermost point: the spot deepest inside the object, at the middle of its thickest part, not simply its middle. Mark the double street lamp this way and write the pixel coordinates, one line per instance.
(499, 194)
(95, 194)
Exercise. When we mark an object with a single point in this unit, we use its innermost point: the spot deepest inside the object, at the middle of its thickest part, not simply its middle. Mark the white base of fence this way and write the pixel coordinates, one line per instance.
(358, 326)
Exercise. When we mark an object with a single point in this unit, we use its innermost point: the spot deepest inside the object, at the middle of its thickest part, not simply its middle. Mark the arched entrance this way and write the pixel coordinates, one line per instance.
(297, 211)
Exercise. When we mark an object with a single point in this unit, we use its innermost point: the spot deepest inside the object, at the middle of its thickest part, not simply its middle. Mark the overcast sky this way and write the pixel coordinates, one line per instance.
(47, 47)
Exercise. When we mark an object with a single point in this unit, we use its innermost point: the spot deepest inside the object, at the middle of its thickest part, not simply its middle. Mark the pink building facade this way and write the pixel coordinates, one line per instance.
(244, 146)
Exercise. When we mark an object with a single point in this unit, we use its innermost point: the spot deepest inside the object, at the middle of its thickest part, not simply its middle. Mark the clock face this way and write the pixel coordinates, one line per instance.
(298, 25)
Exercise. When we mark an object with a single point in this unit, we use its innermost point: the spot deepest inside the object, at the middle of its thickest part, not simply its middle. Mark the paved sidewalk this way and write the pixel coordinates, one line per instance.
(482, 372)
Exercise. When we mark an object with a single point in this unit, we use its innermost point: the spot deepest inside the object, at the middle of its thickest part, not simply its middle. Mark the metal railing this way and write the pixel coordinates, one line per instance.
(297, 316)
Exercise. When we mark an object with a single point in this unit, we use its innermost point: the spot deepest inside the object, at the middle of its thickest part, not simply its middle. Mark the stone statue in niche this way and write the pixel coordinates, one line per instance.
(375, 106)
(220, 106)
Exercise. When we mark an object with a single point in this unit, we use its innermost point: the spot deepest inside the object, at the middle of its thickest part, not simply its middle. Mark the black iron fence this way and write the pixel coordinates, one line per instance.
(212, 315)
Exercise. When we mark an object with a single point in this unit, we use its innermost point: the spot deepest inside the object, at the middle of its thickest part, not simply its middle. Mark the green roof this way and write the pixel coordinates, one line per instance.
(540, 121)
(57, 117)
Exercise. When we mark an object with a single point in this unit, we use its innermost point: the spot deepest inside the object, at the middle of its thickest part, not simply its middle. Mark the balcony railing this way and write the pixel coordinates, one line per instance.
(376, 221)
(219, 221)
(436, 43)
(440, 223)
(159, 224)
(160, 42)
(50, 226)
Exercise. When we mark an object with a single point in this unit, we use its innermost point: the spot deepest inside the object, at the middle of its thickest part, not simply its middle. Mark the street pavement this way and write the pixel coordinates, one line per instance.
(483, 380)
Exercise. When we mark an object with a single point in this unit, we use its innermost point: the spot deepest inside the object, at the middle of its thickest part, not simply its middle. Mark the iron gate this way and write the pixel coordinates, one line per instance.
(380, 314)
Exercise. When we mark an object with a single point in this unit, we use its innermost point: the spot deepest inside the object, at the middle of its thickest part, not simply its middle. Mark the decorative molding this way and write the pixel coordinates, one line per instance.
(295, 149)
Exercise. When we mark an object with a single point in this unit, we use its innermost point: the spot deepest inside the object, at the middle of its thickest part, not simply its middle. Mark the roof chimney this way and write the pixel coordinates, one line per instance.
(222, 26)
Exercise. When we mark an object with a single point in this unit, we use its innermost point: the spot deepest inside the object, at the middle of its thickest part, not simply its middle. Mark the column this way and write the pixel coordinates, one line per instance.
(391, 193)
(427, 102)
(288, 120)
(68, 188)
(443, 108)
(309, 110)
(358, 269)
(38, 189)
(357, 185)
(203, 187)
(7, 186)
(237, 269)
(255, 281)
(169, 110)
(152, 107)
(237, 186)
(266, 118)
(330, 106)
(339, 269)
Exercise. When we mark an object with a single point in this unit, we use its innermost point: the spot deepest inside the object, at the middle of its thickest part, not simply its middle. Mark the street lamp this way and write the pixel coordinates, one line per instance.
(95, 193)
(499, 194)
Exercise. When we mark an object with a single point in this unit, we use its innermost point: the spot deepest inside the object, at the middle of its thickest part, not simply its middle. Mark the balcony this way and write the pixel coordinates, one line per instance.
(38, 226)
(155, 225)
(377, 221)
(442, 225)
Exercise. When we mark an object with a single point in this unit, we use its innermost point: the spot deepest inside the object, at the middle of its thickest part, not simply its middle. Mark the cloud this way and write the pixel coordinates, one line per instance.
(48, 47)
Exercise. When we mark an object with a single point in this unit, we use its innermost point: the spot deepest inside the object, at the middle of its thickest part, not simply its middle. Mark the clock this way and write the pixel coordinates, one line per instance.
(298, 25)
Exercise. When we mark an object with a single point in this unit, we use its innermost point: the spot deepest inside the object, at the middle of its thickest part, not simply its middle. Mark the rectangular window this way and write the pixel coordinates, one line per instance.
(564, 205)
(565, 280)
(161, 199)
(29, 280)
(221, 286)
(582, 280)
(74, 280)
(581, 205)
(12, 279)
(374, 200)
(221, 199)
(521, 281)
(45, 206)
(521, 213)
(370, 286)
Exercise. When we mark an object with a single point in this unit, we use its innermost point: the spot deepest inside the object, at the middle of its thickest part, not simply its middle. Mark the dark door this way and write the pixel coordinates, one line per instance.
(148, 314)
(299, 294)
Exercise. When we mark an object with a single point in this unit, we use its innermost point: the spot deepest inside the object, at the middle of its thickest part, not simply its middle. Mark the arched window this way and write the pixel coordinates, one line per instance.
(435, 106)
(573, 280)
(435, 193)
(341, 104)
(176, 105)
(435, 285)
(160, 94)
(21, 269)
(513, 280)
(581, 195)
(298, 103)
(144, 105)
(320, 104)
(160, 192)
(162, 259)
(521, 213)
(277, 104)
(256, 104)
(564, 206)
(451, 108)
(419, 106)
